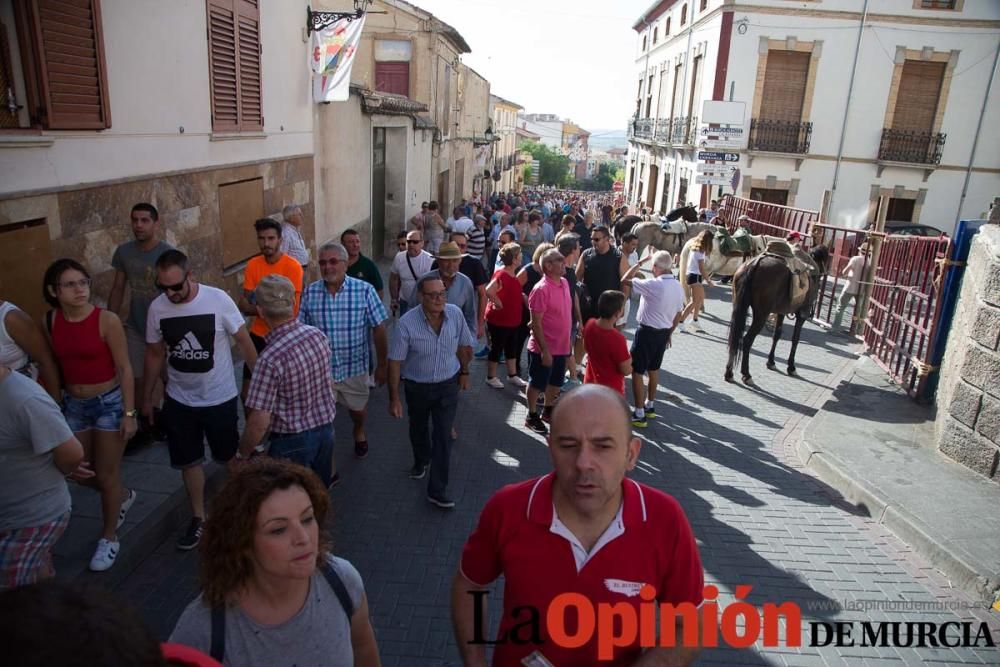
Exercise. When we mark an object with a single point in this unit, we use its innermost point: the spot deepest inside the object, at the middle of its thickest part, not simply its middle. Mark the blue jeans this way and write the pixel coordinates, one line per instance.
(312, 448)
(438, 403)
(99, 413)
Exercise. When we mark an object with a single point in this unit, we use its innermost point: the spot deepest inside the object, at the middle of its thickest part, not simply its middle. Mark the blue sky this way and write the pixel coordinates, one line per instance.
(573, 58)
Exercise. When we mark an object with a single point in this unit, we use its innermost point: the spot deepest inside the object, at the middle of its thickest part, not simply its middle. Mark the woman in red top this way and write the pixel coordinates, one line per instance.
(99, 406)
(503, 316)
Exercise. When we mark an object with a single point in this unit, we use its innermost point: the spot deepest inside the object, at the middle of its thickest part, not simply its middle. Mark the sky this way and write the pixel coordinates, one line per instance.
(573, 58)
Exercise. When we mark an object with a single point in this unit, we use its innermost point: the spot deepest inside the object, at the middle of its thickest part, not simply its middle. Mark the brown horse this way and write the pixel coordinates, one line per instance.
(763, 284)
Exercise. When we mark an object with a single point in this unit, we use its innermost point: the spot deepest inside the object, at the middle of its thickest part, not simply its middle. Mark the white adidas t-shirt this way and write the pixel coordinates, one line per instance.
(196, 334)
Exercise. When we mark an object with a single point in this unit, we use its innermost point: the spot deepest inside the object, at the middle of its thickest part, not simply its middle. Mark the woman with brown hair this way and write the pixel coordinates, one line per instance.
(696, 274)
(272, 593)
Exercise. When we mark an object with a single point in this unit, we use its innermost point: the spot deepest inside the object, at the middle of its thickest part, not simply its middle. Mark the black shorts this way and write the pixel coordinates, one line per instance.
(503, 341)
(546, 376)
(648, 347)
(258, 344)
(188, 427)
(693, 278)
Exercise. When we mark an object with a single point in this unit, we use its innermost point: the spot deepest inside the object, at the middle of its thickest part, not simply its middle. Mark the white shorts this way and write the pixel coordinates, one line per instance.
(352, 392)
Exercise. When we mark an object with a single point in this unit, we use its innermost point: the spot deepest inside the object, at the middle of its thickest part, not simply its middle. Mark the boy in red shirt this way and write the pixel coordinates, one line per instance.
(607, 351)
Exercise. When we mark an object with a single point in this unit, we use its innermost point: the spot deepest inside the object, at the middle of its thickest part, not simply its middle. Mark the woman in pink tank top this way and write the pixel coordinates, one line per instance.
(98, 401)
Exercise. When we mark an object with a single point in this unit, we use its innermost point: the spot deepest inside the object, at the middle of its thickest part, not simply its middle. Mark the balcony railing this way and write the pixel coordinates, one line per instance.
(684, 130)
(912, 147)
(643, 128)
(779, 136)
(662, 130)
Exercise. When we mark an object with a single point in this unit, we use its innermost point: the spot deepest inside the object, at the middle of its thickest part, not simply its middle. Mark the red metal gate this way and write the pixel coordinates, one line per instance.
(770, 219)
(903, 311)
(843, 243)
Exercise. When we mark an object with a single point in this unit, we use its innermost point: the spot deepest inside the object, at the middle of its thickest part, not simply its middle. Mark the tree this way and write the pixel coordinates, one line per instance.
(553, 166)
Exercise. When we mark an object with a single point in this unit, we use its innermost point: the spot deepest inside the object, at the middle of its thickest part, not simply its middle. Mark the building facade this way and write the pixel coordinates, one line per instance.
(212, 135)
(504, 114)
(847, 104)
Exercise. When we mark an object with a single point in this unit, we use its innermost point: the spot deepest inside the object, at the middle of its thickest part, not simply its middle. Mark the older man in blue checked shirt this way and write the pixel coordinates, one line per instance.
(430, 352)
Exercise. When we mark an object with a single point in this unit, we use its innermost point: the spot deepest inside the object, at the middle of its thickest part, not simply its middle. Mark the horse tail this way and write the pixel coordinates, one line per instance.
(741, 305)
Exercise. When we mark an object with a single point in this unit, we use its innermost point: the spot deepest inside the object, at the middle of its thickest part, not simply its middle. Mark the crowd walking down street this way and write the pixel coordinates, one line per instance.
(605, 467)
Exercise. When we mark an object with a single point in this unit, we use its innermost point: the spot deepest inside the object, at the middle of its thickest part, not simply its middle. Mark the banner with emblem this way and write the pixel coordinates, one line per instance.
(331, 56)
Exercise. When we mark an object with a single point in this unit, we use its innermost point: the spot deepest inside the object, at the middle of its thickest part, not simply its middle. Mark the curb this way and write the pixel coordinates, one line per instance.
(146, 537)
(955, 564)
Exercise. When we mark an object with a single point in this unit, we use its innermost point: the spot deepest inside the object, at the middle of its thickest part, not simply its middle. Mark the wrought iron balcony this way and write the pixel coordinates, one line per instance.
(662, 130)
(680, 131)
(779, 136)
(912, 147)
(642, 128)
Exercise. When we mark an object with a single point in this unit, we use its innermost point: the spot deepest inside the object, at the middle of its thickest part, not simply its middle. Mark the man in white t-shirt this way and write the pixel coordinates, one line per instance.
(189, 326)
(459, 221)
(853, 270)
(407, 268)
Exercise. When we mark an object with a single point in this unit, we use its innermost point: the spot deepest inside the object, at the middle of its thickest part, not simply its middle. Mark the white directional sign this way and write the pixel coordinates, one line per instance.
(731, 131)
(718, 156)
(726, 169)
(703, 179)
(720, 144)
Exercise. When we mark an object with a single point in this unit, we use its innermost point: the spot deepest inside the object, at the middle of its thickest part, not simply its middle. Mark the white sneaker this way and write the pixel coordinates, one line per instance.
(694, 328)
(104, 555)
(682, 327)
(496, 383)
(517, 381)
(126, 505)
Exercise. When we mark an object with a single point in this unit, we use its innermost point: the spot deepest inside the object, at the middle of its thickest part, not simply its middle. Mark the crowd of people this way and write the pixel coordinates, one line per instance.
(538, 269)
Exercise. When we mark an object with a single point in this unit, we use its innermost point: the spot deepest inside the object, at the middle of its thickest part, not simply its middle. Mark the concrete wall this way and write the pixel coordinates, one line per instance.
(343, 169)
(968, 399)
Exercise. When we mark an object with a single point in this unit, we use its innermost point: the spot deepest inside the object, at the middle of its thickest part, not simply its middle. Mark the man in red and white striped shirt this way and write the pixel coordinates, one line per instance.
(290, 392)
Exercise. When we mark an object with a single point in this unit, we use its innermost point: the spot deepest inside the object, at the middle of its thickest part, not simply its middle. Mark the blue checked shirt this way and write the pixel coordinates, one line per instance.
(427, 356)
(346, 320)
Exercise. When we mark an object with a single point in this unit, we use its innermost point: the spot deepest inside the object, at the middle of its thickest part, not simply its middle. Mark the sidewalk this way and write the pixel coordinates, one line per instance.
(875, 445)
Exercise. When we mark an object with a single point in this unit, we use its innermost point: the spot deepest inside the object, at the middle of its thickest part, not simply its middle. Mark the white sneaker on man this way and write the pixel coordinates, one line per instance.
(496, 383)
(104, 555)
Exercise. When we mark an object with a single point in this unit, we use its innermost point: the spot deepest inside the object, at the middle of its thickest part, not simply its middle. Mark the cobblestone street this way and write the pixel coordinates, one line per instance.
(723, 450)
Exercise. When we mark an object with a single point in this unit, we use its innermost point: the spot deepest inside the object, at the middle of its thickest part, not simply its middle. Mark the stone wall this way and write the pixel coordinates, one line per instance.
(88, 223)
(968, 422)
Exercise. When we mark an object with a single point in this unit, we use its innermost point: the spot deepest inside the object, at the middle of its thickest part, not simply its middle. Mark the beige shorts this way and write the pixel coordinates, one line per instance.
(352, 392)
(136, 350)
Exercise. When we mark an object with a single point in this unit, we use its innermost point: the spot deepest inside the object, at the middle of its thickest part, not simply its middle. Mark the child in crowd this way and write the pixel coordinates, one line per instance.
(607, 350)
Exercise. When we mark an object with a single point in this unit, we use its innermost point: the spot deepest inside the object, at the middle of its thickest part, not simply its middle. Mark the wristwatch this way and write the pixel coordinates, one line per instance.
(132, 413)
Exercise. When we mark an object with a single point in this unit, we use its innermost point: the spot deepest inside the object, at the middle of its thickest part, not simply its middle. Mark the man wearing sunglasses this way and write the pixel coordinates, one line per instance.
(407, 267)
(189, 326)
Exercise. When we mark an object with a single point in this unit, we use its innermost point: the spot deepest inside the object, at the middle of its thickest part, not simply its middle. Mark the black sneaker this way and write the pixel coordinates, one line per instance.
(192, 537)
(547, 414)
(441, 501)
(418, 472)
(535, 423)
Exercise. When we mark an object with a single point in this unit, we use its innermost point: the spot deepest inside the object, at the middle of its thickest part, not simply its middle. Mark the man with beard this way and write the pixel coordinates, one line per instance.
(189, 325)
(134, 263)
(584, 528)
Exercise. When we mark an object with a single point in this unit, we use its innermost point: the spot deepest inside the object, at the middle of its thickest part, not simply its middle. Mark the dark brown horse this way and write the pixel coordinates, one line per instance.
(763, 285)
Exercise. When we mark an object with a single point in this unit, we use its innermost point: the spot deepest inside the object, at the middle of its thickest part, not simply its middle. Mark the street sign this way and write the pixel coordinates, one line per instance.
(718, 156)
(723, 144)
(711, 180)
(618, 186)
(722, 131)
(725, 169)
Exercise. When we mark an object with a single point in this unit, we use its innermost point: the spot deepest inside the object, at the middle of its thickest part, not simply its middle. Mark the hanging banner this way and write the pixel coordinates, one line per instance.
(333, 49)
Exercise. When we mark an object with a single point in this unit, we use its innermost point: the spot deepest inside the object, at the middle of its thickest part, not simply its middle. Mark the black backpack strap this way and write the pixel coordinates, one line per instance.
(218, 643)
(339, 589)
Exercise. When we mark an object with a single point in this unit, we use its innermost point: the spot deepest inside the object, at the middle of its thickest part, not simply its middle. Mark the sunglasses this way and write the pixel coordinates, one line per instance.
(171, 288)
(412, 242)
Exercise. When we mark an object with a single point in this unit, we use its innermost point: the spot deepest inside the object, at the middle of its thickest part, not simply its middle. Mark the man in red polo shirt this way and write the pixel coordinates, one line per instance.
(585, 529)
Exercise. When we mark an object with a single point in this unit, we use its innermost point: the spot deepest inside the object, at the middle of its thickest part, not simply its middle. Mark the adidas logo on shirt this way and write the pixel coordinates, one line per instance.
(189, 348)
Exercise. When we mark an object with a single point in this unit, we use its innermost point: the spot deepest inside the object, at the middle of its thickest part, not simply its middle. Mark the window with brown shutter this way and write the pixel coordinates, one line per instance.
(393, 78)
(234, 65)
(918, 96)
(784, 85)
(696, 70)
(65, 74)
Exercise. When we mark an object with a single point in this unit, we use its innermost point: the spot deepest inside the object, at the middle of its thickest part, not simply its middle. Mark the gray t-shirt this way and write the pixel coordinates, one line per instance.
(140, 270)
(32, 490)
(318, 636)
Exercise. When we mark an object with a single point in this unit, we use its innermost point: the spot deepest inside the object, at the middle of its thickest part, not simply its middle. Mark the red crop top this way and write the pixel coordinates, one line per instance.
(83, 357)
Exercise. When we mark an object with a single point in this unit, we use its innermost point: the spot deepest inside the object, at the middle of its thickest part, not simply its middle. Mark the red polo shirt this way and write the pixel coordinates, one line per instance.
(514, 538)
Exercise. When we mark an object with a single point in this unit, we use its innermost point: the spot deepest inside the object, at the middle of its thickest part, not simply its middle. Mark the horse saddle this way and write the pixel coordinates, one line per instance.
(676, 227)
(733, 245)
(799, 263)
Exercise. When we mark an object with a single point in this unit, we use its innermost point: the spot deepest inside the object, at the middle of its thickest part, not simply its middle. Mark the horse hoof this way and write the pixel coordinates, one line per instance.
(748, 381)
(728, 377)
(792, 373)
(770, 365)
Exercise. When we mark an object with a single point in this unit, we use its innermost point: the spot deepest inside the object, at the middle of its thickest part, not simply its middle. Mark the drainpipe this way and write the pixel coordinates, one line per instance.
(847, 109)
(675, 181)
(975, 141)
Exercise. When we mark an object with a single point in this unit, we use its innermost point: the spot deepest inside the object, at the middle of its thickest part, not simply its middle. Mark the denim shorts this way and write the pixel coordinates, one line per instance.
(101, 413)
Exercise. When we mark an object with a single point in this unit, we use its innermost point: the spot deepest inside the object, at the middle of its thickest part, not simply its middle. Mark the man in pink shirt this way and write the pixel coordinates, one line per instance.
(550, 304)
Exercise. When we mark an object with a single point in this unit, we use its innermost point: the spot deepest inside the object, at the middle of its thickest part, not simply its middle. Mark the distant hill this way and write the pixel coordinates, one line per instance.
(608, 138)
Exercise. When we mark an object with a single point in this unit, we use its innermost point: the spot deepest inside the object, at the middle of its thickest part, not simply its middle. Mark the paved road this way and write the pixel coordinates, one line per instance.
(720, 449)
